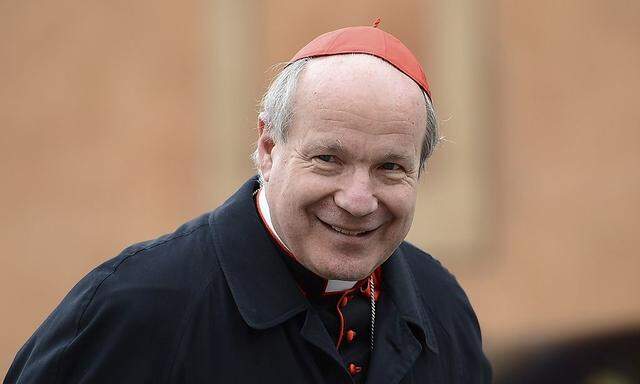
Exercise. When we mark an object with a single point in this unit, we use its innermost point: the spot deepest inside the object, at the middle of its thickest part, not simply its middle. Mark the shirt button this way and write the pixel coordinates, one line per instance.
(351, 335)
(344, 301)
(354, 369)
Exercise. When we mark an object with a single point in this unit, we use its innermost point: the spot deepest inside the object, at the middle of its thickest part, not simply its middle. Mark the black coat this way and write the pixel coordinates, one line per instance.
(213, 302)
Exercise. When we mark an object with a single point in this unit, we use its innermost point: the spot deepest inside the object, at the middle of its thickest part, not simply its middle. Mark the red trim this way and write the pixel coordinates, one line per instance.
(363, 287)
(341, 316)
(377, 280)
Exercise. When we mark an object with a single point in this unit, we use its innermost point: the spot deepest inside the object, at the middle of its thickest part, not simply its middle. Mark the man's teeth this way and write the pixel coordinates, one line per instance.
(345, 232)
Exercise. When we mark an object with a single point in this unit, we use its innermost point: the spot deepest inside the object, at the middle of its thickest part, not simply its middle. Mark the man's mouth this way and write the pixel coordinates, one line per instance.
(348, 232)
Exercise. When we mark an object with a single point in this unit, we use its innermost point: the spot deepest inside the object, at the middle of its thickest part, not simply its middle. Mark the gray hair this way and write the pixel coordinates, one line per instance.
(276, 111)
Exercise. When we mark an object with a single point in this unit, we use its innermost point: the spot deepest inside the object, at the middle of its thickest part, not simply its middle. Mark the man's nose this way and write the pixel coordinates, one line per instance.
(356, 195)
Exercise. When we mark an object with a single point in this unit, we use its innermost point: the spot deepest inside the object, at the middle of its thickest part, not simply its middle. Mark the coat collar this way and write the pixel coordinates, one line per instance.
(264, 290)
(261, 285)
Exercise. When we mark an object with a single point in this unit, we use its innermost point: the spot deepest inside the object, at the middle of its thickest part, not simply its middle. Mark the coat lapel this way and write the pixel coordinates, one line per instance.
(315, 333)
(260, 283)
(395, 350)
(403, 327)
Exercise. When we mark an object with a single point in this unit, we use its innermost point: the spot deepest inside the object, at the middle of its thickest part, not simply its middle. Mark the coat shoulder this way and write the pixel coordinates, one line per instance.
(123, 320)
(429, 274)
(160, 277)
(179, 260)
(439, 289)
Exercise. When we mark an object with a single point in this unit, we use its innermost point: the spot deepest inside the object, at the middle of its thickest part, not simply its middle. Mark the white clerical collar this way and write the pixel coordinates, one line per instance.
(263, 208)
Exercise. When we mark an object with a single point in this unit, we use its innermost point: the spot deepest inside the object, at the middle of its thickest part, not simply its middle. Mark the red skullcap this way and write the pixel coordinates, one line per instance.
(370, 40)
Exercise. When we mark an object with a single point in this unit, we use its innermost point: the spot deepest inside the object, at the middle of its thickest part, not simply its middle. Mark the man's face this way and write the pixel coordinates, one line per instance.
(342, 188)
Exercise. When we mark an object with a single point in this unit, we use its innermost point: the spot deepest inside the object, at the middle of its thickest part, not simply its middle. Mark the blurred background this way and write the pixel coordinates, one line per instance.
(119, 120)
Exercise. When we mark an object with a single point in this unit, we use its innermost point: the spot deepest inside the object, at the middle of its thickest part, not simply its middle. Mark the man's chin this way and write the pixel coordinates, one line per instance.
(345, 271)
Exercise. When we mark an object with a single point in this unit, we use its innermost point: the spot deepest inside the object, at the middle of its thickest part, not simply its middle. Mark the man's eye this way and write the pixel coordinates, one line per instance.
(325, 158)
(391, 167)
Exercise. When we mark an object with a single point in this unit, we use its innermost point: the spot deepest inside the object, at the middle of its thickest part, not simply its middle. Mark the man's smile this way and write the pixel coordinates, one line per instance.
(351, 232)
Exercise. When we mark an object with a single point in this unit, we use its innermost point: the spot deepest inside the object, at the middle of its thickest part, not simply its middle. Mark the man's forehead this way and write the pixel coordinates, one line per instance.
(356, 76)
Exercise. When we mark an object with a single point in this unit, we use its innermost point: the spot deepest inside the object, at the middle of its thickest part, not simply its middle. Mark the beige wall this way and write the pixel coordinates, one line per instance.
(567, 171)
(119, 121)
(103, 109)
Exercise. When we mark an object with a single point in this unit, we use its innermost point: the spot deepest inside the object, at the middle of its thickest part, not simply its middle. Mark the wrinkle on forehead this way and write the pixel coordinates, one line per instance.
(369, 122)
(380, 119)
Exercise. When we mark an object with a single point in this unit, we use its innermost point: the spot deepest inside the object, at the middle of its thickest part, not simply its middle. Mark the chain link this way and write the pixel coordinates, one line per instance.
(373, 308)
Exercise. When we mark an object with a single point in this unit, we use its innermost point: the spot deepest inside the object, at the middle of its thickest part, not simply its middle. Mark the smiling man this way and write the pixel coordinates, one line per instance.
(302, 276)
(341, 184)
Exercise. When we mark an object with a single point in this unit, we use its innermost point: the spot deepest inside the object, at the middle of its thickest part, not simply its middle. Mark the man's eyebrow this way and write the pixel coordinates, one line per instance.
(330, 147)
(392, 156)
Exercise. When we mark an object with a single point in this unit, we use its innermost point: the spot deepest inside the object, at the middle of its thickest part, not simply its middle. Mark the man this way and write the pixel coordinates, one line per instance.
(302, 276)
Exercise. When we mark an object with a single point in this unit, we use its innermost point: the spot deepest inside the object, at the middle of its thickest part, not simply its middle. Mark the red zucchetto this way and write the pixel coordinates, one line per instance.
(370, 40)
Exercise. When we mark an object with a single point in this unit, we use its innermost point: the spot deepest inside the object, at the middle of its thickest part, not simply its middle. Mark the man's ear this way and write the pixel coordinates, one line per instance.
(265, 149)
